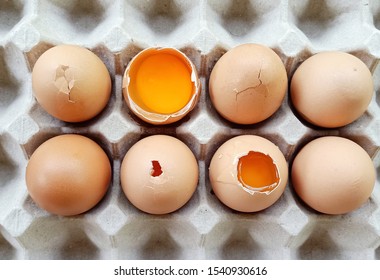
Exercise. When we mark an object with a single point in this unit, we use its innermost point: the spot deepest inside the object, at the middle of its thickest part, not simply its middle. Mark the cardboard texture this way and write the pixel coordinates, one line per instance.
(203, 30)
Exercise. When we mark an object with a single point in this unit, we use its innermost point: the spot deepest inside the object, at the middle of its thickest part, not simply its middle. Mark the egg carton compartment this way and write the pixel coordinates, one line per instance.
(11, 13)
(375, 12)
(162, 23)
(7, 251)
(321, 21)
(14, 81)
(204, 30)
(77, 21)
(236, 20)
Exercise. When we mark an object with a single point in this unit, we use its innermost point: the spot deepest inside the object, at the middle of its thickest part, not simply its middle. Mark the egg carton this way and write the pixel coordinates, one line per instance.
(204, 30)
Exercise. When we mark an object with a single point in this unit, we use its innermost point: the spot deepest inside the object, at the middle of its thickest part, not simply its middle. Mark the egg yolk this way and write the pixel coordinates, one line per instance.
(162, 83)
(258, 171)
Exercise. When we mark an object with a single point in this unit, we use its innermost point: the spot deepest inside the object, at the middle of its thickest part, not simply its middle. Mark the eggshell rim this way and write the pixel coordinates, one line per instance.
(238, 155)
(247, 188)
(156, 118)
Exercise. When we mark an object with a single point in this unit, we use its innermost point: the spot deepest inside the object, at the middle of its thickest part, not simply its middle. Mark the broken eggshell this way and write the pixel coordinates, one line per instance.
(71, 83)
(226, 180)
(248, 84)
(159, 174)
(138, 107)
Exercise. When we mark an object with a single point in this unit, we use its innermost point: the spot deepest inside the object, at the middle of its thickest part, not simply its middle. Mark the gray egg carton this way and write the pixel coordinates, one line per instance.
(204, 30)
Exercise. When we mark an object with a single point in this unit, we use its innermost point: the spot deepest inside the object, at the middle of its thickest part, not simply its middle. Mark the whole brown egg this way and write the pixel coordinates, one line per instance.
(68, 174)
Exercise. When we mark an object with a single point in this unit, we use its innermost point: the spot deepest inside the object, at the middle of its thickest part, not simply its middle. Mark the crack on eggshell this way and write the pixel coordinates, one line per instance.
(64, 80)
(237, 92)
(246, 89)
(266, 190)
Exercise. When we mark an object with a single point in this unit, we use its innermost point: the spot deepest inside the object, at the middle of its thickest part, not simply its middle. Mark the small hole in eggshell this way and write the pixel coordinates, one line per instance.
(156, 169)
(258, 171)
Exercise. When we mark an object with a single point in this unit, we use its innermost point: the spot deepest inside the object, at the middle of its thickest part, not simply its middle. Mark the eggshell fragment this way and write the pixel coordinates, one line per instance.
(224, 174)
(159, 174)
(248, 84)
(71, 83)
(333, 175)
(168, 73)
(68, 174)
(331, 89)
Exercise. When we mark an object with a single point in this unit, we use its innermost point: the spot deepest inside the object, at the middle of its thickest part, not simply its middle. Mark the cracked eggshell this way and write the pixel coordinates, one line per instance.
(248, 84)
(71, 83)
(159, 174)
(223, 174)
(153, 117)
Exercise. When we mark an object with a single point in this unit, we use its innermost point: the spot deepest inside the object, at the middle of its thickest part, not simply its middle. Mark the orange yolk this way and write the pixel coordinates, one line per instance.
(162, 83)
(257, 170)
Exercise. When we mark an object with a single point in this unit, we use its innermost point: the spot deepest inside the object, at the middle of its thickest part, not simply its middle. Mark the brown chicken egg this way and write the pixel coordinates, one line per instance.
(68, 174)
(333, 175)
(248, 173)
(331, 89)
(71, 83)
(248, 84)
(159, 174)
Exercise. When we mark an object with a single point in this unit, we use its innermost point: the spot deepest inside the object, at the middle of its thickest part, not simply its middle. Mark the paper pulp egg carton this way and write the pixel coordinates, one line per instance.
(204, 30)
